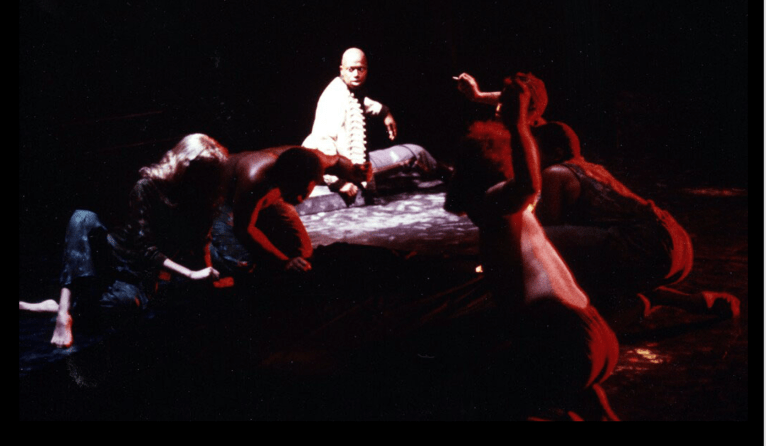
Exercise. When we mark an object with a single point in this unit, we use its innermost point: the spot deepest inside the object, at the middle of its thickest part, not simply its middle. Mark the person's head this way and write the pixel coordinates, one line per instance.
(196, 160)
(537, 102)
(484, 162)
(353, 68)
(557, 143)
(295, 172)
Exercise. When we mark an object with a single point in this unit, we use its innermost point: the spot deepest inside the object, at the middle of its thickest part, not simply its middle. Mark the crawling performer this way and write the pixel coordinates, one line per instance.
(619, 245)
(561, 347)
(259, 230)
(109, 276)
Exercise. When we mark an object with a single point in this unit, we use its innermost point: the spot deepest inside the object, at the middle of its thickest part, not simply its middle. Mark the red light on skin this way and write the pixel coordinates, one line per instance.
(225, 282)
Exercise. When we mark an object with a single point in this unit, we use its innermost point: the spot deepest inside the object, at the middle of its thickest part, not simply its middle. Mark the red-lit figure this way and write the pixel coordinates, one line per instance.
(619, 245)
(560, 347)
(109, 276)
(259, 230)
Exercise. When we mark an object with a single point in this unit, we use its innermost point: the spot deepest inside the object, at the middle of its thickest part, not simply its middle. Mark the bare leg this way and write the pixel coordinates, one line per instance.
(47, 306)
(704, 302)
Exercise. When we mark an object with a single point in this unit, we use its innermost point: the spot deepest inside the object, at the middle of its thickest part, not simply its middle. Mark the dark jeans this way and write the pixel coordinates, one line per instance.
(89, 272)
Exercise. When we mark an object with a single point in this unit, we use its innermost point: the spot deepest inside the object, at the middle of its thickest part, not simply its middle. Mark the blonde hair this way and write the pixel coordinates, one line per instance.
(194, 148)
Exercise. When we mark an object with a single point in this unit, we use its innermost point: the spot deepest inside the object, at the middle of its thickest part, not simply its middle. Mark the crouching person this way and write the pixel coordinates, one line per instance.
(110, 275)
(259, 235)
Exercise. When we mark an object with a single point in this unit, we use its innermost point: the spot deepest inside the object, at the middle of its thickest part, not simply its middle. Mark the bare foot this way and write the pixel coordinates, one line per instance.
(62, 334)
(47, 306)
(594, 407)
(721, 304)
(647, 305)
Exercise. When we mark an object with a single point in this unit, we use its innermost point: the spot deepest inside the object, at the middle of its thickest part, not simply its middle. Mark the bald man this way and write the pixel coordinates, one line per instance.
(340, 129)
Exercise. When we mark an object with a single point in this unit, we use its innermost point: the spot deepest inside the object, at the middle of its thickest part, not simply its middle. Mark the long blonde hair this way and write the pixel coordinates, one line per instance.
(194, 148)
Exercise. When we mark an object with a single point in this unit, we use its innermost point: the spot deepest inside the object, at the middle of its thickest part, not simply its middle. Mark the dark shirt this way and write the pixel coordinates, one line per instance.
(159, 227)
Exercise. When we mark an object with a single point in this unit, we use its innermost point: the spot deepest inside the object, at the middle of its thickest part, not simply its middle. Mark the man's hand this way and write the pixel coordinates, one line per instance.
(349, 190)
(298, 264)
(208, 273)
(361, 172)
(62, 334)
(390, 126)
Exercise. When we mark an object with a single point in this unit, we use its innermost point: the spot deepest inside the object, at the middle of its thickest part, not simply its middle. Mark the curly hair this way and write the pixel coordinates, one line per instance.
(491, 152)
(194, 149)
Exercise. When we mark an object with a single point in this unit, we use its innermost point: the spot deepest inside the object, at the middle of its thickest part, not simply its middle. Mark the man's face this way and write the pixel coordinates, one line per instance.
(353, 70)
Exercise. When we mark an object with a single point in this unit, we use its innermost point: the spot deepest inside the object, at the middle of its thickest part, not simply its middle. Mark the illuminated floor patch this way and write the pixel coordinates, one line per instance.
(716, 192)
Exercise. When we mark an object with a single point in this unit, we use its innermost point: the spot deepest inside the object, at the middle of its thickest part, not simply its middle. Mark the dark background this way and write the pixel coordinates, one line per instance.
(656, 90)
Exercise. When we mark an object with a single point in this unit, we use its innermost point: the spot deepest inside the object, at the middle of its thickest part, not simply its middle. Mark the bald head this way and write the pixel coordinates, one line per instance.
(353, 54)
(353, 68)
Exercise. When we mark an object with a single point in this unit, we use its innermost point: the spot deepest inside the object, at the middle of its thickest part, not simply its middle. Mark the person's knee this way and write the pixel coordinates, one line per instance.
(84, 219)
(423, 158)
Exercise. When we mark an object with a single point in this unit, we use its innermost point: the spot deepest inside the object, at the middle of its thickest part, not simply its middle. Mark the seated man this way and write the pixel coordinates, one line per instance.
(559, 347)
(258, 230)
(618, 245)
(340, 129)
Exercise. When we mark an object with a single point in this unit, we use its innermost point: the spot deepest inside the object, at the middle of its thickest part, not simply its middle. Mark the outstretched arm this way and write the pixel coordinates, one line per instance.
(344, 169)
(470, 88)
(208, 273)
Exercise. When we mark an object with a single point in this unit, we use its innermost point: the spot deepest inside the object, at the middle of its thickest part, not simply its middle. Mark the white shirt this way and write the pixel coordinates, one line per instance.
(339, 124)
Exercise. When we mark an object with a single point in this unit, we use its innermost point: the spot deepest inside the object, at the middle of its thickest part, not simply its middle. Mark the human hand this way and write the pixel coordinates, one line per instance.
(514, 101)
(208, 273)
(349, 190)
(390, 126)
(361, 172)
(62, 334)
(521, 82)
(298, 264)
(467, 85)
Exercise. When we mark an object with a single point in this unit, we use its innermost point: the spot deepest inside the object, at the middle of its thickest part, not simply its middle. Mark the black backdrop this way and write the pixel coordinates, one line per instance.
(108, 86)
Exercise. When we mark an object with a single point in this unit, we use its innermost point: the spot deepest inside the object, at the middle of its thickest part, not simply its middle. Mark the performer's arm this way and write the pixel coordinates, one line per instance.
(249, 198)
(375, 108)
(470, 88)
(514, 195)
(344, 169)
